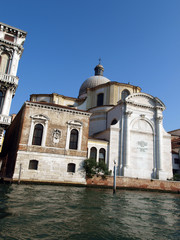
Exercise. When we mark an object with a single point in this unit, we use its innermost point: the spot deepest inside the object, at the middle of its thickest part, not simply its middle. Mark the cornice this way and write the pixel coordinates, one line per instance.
(144, 105)
(7, 43)
(58, 108)
(114, 83)
(13, 30)
(148, 96)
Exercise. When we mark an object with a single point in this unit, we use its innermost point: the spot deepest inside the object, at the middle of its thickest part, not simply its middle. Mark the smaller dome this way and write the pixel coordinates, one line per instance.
(92, 82)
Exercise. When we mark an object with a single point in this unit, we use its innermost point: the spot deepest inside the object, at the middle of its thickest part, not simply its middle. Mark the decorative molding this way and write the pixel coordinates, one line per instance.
(142, 116)
(155, 99)
(12, 30)
(15, 46)
(75, 123)
(5, 120)
(128, 113)
(57, 108)
(56, 135)
(39, 117)
(9, 80)
(159, 119)
(6, 49)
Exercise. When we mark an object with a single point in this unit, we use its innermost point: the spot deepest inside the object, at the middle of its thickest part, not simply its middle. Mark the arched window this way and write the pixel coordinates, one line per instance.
(102, 154)
(33, 164)
(114, 121)
(93, 153)
(73, 144)
(4, 63)
(100, 99)
(37, 136)
(124, 94)
(1, 100)
(71, 167)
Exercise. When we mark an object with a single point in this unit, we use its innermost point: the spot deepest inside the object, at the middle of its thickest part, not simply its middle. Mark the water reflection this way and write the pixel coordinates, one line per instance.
(57, 212)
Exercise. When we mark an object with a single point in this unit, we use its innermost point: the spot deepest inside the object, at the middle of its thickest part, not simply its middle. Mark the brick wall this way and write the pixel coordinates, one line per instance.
(135, 183)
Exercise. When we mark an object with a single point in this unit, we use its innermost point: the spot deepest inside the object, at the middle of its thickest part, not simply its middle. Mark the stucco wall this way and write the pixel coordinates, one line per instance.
(51, 168)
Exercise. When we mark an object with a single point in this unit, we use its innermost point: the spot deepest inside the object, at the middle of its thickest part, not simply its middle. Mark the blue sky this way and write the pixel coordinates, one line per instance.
(137, 40)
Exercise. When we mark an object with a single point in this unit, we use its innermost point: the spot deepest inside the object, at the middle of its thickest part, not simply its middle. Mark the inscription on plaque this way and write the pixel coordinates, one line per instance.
(142, 146)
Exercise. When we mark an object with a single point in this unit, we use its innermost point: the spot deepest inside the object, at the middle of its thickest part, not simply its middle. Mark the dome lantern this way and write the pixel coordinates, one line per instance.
(99, 70)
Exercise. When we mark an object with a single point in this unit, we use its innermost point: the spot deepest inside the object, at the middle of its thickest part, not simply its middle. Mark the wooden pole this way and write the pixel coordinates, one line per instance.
(19, 178)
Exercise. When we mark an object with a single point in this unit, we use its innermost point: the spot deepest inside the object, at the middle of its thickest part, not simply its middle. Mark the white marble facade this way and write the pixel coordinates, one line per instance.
(137, 141)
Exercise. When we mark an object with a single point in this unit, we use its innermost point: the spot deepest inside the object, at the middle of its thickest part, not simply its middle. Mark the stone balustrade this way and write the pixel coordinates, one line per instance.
(9, 79)
(5, 120)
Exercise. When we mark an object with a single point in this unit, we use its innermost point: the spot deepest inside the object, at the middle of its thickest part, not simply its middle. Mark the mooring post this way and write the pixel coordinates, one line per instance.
(19, 178)
(114, 179)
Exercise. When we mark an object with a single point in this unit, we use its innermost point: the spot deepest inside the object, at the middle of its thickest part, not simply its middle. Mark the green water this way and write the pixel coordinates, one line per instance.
(58, 212)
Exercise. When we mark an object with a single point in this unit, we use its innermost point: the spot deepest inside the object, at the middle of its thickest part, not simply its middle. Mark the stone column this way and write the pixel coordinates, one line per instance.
(159, 143)
(79, 138)
(14, 62)
(7, 102)
(97, 156)
(121, 161)
(127, 142)
(31, 133)
(68, 137)
(44, 134)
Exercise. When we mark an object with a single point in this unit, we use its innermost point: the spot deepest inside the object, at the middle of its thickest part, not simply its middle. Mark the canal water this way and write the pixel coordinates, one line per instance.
(61, 212)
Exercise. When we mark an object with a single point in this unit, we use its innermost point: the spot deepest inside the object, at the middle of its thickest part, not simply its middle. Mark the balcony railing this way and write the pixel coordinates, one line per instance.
(9, 79)
(5, 120)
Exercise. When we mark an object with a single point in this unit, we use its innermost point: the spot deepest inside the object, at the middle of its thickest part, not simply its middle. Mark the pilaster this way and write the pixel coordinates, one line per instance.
(127, 141)
(159, 144)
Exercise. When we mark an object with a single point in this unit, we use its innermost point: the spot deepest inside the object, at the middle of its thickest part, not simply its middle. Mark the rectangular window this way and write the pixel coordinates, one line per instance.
(9, 38)
(33, 164)
(71, 167)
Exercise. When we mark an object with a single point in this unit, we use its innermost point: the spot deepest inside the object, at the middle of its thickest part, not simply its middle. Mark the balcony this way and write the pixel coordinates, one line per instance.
(5, 120)
(6, 78)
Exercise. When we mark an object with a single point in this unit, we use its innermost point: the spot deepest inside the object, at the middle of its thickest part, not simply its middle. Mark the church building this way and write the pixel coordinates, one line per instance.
(113, 122)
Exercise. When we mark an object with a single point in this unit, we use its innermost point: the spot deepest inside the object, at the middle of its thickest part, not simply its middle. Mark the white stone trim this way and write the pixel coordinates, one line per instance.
(58, 108)
(159, 142)
(142, 117)
(7, 102)
(38, 119)
(127, 140)
(129, 100)
(52, 154)
(51, 148)
(98, 147)
(70, 126)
